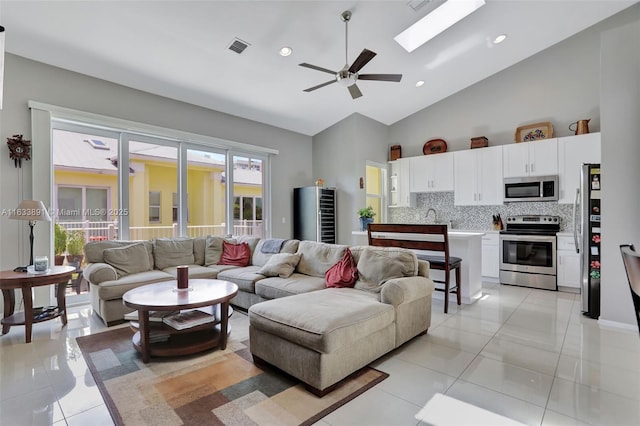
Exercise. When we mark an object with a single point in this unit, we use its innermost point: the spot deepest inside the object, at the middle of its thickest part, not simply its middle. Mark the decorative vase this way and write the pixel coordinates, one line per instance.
(364, 221)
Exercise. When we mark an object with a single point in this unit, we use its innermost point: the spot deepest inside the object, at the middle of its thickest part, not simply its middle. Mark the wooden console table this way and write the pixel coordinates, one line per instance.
(10, 281)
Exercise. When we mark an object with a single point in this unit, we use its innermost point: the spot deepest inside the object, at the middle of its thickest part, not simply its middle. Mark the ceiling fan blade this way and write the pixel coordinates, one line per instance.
(380, 77)
(355, 92)
(319, 86)
(317, 68)
(362, 60)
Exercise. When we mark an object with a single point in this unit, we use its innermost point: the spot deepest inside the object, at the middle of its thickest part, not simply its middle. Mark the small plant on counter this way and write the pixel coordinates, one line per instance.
(366, 212)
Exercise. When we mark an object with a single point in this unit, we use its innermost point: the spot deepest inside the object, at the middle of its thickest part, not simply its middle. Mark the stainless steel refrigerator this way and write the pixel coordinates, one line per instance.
(587, 237)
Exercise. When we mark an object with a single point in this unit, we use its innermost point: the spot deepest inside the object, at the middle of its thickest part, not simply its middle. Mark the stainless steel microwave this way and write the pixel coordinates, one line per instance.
(531, 188)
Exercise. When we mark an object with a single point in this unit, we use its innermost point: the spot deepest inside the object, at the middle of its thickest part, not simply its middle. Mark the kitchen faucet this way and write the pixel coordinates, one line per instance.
(435, 215)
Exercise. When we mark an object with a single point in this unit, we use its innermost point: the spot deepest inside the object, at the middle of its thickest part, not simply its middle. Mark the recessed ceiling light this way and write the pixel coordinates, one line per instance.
(286, 51)
(446, 15)
(500, 39)
(419, 83)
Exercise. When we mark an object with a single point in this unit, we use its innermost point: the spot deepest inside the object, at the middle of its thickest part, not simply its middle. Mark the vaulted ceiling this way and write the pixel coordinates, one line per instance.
(179, 49)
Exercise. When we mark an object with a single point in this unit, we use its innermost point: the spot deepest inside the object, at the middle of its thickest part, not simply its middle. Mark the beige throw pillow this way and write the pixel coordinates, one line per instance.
(280, 265)
(213, 249)
(173, 252)
(129, 259)
(375, 268)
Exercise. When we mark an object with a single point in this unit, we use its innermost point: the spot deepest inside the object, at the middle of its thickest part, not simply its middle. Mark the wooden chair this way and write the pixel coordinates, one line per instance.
(631, 260)
(422, 237)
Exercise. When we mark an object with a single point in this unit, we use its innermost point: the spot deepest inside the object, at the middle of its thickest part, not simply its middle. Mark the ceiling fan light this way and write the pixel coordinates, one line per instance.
(445, 16)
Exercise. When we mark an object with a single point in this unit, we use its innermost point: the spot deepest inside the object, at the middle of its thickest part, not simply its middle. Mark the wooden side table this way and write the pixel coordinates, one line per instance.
(10, 281)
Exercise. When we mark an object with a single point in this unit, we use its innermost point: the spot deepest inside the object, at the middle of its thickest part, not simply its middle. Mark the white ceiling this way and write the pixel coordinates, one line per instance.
(178, 49)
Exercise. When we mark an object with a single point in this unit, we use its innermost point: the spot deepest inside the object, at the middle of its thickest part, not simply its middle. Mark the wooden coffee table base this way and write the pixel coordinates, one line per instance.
(159, 339)
(183, 342)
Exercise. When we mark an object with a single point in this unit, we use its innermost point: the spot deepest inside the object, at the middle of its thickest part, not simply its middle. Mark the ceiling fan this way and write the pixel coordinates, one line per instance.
(348, 75)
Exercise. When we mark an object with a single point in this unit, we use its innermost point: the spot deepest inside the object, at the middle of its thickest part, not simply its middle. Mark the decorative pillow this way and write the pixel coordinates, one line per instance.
(375, 268)
(235, 254)
(213, 249)
(280, 265)
(129, 259)
(173, 252)
(344, 273)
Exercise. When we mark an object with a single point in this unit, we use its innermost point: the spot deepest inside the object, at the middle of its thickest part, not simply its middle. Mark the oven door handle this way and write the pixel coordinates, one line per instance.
(575, 222)
(527, 237)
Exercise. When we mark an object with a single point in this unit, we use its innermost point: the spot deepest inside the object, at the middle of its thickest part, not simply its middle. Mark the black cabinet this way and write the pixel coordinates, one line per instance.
(314, 214)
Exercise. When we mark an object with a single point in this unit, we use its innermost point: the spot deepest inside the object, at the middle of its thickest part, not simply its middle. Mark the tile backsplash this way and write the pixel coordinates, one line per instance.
(475, 217)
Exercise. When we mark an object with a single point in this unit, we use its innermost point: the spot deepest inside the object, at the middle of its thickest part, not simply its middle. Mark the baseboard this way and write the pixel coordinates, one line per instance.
(623, 326)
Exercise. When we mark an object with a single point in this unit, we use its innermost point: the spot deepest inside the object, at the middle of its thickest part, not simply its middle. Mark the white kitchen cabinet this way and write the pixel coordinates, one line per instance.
(568, 271)
(573, 151)
(399, 181)
(491, 255)
(478, 176)
(432, 173)
(537, 158)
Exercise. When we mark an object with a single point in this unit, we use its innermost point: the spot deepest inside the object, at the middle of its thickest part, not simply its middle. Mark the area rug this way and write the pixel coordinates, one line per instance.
(214, 388)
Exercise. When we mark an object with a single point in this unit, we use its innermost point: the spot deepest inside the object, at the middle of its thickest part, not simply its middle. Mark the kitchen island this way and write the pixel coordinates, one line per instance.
(466, 245)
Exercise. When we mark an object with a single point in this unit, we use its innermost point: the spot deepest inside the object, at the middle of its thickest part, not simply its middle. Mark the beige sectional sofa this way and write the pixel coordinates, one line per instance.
(317, 334)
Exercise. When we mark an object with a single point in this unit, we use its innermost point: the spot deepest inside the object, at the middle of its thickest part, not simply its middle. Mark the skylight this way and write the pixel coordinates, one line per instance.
(446, 15)
(97, 144)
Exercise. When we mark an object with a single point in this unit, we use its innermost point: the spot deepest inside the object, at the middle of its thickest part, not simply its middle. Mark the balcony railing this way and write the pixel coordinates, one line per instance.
(99, 231)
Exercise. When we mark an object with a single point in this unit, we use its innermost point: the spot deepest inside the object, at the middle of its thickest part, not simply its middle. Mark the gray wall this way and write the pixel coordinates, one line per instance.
(620, 111)
(340, 155)
(26, 80)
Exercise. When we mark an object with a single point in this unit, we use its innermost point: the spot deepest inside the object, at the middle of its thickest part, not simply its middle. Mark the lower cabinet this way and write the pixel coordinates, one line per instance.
(490, 255)
(568, 263)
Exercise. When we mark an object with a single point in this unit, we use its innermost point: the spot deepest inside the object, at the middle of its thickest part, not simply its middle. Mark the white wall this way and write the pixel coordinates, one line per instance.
(620, 111)
(26, 80)
(340, 155)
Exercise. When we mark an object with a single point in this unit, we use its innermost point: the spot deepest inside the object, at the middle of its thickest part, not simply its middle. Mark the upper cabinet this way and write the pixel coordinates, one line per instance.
(432, 173)
(537, 158)
(399, 183)
(478, 176)
(573, 151)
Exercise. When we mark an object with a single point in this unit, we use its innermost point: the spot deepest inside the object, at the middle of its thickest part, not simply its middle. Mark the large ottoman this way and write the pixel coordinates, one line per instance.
(323, 336)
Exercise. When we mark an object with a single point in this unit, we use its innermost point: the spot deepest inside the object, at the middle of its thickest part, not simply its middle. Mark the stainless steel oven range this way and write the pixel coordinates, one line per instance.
(528, 251)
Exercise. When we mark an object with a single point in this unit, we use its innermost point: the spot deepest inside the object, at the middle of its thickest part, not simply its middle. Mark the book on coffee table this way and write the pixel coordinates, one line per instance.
(154, 316)
(188, 319)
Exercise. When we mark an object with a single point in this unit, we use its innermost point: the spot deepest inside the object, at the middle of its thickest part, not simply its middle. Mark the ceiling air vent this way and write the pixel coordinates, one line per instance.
(238, 45)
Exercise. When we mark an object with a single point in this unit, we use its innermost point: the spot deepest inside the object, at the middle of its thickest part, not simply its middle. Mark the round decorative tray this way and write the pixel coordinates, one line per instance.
(434, 146)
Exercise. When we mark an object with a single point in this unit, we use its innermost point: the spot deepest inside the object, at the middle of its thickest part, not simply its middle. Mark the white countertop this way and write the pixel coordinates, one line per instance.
(452, 234)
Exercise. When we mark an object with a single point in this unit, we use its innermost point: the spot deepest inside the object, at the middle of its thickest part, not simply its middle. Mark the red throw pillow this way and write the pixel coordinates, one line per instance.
(344, 273)
(235, 254)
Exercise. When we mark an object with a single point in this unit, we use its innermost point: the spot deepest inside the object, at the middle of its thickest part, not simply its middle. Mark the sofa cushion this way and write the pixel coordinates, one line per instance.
(280, 265)
(109, 290)
(344, 273)
(169, 252)
(199, 245)
(245, 278)
(213, 249)
(377, 266)
(195, 271)
(260, 259)
(275, 287)
(250, 240)
(235, 254)
(93, 250)
(324, 320)
(317, 257)
(128, 260)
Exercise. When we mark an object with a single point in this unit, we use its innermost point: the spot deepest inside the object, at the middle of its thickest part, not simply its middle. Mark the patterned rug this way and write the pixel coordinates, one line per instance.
(214, 388)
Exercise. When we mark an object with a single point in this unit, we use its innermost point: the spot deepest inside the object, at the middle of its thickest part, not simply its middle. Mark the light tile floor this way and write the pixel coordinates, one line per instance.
(525, 354)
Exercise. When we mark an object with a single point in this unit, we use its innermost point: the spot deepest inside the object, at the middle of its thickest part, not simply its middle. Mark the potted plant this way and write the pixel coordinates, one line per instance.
(59, 243)
(366, 217)
(75, 246)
